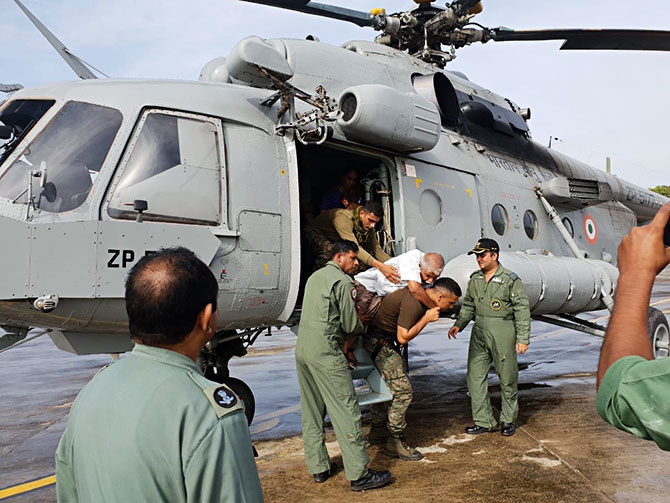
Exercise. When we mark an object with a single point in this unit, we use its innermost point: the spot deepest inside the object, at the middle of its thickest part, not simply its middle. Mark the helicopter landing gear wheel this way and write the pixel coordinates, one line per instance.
(659, 333)
(242, 391)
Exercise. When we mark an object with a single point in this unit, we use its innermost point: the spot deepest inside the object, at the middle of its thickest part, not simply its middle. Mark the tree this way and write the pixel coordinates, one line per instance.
(664, 190)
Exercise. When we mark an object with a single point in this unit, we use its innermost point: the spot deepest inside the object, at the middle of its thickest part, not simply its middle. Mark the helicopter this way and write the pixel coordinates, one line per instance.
(97, 173)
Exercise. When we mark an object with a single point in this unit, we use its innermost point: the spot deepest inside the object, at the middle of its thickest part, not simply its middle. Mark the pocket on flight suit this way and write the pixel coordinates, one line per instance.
(503, 338)
(339, 376)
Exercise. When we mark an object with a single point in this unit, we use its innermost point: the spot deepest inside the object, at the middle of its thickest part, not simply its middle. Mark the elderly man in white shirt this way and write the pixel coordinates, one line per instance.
(416, 269)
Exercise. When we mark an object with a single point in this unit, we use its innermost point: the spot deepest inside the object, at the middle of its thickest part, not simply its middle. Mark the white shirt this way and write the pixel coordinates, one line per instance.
(407, 265)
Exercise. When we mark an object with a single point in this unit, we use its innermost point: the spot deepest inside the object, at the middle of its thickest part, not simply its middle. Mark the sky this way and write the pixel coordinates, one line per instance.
(597, 103)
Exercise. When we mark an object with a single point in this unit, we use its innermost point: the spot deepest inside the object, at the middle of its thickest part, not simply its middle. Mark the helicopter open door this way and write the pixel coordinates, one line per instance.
(441, 210)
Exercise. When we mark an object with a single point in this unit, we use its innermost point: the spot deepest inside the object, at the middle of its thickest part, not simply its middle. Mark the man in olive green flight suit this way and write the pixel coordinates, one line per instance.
(326, 386)
(150, 427)
(498, 303)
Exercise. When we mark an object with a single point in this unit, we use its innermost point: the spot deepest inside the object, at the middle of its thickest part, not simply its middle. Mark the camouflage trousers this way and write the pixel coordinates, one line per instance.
(320, 245)
(389, 364)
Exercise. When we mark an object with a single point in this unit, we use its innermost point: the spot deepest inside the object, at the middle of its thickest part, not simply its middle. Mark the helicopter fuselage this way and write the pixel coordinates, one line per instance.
(218, 178)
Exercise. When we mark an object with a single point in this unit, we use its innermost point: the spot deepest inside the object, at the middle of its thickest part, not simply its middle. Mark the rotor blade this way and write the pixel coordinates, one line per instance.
(591, 39)
(79, 68)
(359, 18)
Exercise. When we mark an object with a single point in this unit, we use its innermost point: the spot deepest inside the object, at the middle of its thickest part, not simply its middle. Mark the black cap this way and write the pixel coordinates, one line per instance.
(485, 245)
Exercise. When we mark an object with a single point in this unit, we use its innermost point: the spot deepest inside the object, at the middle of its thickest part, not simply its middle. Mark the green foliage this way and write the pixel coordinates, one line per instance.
(664, 190)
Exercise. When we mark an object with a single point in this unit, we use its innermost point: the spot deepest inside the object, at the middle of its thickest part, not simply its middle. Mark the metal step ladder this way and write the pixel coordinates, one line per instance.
(375, 390)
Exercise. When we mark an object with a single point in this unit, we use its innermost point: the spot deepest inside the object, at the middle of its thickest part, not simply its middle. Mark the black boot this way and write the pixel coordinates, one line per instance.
(507, 429)
(371, 481)
(475, 429)
(320, 478)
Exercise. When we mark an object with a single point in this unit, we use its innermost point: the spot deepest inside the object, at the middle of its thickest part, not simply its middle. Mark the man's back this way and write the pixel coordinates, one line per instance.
(328, 310)
(399, 308)
(149, 428)
(407, 265)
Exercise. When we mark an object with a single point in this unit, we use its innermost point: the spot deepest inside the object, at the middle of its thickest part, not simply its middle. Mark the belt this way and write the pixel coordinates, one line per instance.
(384, 339)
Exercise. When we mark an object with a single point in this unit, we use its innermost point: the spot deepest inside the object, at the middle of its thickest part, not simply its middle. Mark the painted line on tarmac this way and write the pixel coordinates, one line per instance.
(280, 412)
(27, 486)
(662, 301)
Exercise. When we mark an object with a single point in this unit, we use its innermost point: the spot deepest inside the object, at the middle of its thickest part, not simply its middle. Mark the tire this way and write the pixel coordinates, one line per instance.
(659, 333)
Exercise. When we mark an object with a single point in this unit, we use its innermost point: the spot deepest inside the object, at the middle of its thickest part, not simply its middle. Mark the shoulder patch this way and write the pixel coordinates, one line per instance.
(513, 276)
(222, 399)
(353, 293)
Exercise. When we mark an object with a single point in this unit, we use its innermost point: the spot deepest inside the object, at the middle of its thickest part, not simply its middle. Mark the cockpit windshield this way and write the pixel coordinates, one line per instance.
(17, 117)
(62, 163)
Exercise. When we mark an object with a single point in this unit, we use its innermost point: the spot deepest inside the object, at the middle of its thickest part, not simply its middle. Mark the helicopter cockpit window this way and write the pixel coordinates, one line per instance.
(499, 219)
(173, 165)
(17, 117)
(58, 169)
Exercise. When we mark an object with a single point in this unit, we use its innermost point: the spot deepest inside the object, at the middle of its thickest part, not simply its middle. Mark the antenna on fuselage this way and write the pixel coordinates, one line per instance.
(80, 67)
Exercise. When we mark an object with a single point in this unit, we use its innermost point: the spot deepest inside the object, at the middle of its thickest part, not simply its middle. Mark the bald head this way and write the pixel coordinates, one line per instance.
(431, 266)
(165, 292)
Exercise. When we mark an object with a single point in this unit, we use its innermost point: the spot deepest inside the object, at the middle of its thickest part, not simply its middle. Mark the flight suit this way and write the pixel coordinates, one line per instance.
(150, 427)
(326, 386)
(502, 319)
(633, 396)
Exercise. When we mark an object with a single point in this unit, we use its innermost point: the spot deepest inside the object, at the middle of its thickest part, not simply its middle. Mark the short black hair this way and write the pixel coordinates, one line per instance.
(343, 246)
(165, 292)
(373, 207)
(449, 285)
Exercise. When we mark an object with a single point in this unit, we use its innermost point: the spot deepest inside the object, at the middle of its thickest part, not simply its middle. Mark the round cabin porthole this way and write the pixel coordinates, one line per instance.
(530, 224)
(499, 219)
(430, 207)
(568, 225)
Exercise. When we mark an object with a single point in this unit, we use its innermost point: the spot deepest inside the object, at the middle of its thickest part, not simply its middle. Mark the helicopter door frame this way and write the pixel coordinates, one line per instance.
(295, 240)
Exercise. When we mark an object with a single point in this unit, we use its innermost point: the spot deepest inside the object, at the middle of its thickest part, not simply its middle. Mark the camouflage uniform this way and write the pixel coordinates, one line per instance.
(333, 225)
(389, 364)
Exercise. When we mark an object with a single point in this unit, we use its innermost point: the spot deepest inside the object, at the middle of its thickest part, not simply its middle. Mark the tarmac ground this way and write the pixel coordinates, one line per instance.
(562, 451)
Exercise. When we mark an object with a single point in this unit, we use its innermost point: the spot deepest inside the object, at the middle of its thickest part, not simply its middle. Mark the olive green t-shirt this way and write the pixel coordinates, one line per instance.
(399, 308)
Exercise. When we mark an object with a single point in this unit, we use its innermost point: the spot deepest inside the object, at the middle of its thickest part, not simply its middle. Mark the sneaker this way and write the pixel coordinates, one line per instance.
(378, 434)
(371, 481)
(396, 446)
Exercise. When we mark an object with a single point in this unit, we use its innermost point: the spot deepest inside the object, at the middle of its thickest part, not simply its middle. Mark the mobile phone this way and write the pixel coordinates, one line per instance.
(666, 234)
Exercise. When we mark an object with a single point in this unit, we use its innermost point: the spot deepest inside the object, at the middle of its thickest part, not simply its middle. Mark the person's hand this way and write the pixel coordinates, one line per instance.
(453, 331)
(521, 348)
(391, 273)
(642, 251)
(433, 314)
